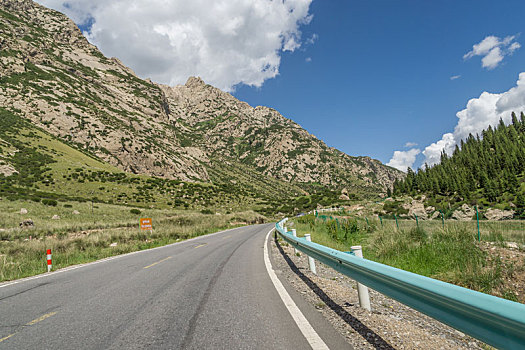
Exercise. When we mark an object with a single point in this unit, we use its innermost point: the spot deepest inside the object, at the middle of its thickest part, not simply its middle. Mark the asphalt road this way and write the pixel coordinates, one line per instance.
(212, 292)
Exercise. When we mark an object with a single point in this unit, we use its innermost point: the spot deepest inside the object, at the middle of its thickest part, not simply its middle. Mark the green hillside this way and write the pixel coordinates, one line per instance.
(47, 169)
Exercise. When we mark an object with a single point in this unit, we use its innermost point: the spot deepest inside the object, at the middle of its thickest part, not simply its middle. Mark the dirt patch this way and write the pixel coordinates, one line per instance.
(390, 325)
(512, 259)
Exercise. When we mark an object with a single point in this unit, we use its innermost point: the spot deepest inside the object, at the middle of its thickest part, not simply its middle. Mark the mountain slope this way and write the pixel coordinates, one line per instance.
(51, 75)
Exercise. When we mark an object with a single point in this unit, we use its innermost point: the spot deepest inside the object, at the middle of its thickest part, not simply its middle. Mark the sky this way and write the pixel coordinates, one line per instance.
(399, 81)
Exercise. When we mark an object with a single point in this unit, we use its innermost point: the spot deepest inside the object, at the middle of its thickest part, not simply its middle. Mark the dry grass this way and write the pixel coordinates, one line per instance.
(77, 239)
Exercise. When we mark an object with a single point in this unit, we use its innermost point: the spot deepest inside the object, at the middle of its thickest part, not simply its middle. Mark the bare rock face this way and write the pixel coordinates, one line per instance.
(497, 214)
(23, 211)
(465, 213)
(7, 170)
(416, 208)
(435, 215)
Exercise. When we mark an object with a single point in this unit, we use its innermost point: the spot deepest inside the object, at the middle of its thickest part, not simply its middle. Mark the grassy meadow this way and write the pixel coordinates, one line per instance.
(93, 234)
(451, 253)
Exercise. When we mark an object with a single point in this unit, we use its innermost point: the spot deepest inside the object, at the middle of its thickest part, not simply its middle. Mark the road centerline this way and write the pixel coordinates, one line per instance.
(7, 337)
(158, 262)
(41, 318)
(31, 323)
(200, 245)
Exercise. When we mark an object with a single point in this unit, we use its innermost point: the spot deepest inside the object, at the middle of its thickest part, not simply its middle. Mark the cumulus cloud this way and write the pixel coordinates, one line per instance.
(224, 42)
(480, 112)
(493, 49)
(403, 159)
(454, 77)
(410, 144)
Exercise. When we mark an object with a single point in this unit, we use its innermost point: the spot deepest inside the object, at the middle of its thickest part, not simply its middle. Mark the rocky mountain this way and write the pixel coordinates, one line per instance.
(51, 75)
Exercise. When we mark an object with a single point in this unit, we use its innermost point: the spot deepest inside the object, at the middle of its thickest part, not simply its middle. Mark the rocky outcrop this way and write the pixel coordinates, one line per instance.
(497, 214)
(7, 170)
(464, 213)
(417, 208)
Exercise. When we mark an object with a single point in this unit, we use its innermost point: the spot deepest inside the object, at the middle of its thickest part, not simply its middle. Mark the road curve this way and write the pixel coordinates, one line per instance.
(212, 292)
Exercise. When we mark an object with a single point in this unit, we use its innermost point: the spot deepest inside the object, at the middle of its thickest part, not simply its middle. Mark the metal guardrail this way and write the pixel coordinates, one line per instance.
(495, 321)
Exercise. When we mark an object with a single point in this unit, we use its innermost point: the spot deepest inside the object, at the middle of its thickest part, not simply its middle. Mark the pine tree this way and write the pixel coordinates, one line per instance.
(520, 205)
(492, 161)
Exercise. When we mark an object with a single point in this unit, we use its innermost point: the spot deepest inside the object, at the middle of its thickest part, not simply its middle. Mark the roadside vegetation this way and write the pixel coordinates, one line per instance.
(451, 253)
(91, 235)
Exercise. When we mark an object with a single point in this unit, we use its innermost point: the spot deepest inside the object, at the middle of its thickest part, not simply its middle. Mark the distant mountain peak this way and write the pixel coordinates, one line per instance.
(194, 82)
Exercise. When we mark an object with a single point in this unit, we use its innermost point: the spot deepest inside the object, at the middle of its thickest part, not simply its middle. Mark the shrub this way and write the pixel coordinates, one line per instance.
(135, 211)
(50, 202)
(206, 211)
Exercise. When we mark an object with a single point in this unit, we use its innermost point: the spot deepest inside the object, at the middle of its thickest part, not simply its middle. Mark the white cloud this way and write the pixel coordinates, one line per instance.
(454, 77)
(480, 112)
(223, 42)
(403, 159)
(493, 50)
(514, 47)
(312, 39)
(308, 59)
(410, 144)
(492, 59)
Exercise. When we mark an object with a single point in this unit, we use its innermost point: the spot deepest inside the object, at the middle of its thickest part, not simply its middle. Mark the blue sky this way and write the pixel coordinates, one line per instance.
(380, 71)
(367, 76)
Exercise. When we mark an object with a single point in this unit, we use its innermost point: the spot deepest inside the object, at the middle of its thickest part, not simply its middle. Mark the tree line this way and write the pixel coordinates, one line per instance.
(489, 166)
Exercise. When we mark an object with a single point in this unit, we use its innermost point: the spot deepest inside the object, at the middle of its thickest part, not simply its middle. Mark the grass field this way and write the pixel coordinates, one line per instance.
(109, 230)
(451, 254)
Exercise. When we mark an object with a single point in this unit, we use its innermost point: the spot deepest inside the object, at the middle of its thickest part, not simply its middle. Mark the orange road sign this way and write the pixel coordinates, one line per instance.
(146, 224)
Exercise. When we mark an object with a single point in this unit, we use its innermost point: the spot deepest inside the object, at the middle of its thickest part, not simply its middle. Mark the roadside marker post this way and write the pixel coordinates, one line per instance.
(311, 260)
(362, 290)
(49, 263)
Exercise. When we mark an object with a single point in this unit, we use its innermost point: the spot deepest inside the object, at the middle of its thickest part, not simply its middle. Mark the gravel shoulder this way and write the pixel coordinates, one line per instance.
(390, 325)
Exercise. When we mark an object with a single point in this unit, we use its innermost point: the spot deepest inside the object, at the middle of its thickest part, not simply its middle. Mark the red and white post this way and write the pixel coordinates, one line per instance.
(49, 265)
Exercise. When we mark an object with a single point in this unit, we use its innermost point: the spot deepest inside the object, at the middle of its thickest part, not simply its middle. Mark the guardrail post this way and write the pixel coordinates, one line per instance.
(362, 290)
(294, 233)
(311, 260)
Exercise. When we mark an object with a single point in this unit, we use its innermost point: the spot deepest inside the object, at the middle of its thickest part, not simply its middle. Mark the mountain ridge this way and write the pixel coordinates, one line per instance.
(54, 77)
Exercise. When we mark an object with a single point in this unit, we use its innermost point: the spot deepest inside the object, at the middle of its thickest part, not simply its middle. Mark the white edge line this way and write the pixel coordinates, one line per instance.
(74, 267)
(306, 328)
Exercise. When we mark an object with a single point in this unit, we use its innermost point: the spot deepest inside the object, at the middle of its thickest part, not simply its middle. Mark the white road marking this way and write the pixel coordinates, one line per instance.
(306, 328)
(74, 267)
